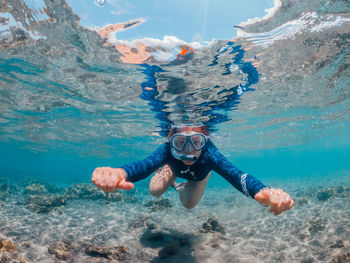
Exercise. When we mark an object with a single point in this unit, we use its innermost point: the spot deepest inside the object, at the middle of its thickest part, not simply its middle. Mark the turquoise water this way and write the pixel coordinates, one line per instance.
(274, 93)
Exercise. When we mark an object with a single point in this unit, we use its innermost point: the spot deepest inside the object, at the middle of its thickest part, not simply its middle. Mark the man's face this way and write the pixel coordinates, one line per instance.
(188, 143)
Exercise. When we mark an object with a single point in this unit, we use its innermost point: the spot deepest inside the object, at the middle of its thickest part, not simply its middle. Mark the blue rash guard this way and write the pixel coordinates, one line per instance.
(210, 159)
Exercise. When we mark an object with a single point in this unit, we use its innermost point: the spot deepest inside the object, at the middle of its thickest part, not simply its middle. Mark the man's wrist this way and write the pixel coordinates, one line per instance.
(123, 173)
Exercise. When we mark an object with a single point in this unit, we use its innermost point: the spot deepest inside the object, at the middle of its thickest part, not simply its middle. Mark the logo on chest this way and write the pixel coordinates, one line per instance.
(188, 171)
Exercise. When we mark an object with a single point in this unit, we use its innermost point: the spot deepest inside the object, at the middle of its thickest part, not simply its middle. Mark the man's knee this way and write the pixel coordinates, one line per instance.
(156, 192)
(189, 204)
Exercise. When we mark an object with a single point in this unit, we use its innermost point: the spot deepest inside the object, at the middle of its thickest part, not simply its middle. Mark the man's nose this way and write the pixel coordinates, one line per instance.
(188, 147)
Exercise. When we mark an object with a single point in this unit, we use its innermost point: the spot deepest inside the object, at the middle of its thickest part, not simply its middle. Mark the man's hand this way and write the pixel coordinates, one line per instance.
(277, 199)
(109, 179)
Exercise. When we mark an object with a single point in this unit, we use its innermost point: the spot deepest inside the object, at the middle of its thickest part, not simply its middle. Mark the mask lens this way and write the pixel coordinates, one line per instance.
(198, 141)
(178, 142)
(188, 142)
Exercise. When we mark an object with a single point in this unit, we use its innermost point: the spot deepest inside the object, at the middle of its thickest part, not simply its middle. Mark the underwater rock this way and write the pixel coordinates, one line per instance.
(343, 191)
(33, 184)
(337, 244)
(301, 201)
(6, 189)
(6, 245)
(215, 241)
(84, 191)
(325, 194)
(54, 189)
(115, 197)
(112, 253)
(44, 203)
(16, 257)
(302, 233)
(316, 225)
(212, 225)
(38, 201)
(9, 253)
(35, 189)
(88, 191)
(62, 250)
(139, 222)
(340, 189)
(343, 257)
(159, 204)
(171, 248)
(307, 260)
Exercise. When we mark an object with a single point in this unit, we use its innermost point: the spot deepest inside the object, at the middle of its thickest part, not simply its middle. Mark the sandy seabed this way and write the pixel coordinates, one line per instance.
(224, 227)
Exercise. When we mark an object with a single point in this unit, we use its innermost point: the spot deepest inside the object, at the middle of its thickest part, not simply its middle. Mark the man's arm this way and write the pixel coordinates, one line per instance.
(139, 170)
(109, 179)
(276, 199)
(245, 183)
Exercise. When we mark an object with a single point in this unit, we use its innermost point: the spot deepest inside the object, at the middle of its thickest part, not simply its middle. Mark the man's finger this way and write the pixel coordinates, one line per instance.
(274, 207)
(262, 197)
(125, 185)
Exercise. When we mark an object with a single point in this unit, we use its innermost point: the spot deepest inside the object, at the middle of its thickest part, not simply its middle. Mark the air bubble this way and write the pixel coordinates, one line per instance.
(99, 2)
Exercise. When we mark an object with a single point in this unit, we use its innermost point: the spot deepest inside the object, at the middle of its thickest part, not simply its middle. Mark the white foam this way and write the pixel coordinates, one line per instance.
(270, 12)
(308, 22)
(37, 7)
(332, 21)
(139, 20)
(5, 29)
(171, 45)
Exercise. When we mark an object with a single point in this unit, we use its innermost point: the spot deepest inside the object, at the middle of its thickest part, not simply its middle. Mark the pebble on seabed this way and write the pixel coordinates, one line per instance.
(6, 245)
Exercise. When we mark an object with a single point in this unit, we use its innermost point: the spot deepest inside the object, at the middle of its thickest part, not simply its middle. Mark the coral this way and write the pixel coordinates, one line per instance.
(35, 189)
(159, 204)
(6, 245)
(9, 253)
(343, 257)
(337, 244)
(316, 225)
(112, 253)
(212, 225)
(91, 192)
(62, 250)
(325, 194)
(44, 203)
(301, 201)
(138, 222)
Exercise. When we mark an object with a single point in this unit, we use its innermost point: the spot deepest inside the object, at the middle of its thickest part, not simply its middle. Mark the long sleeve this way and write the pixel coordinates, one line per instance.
(245, 183)
(139, 170)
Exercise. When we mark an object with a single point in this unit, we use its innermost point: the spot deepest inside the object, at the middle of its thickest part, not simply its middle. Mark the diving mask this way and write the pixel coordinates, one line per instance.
(187, 142)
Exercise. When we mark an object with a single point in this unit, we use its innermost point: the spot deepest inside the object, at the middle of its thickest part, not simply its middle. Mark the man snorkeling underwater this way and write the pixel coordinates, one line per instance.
(191, 155)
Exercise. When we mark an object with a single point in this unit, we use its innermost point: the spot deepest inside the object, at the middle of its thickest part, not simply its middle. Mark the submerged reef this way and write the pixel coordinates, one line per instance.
(80, 223)
(41, 200)
(9, 253)
(212, 225)
(159, 204)
(65, 251)
(329, 192)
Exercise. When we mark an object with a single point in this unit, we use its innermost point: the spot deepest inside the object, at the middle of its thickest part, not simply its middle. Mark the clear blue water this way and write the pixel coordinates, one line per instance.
(275, 96)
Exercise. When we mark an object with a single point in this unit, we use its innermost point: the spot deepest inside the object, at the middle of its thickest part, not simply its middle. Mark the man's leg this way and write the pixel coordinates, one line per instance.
(192, 191)
(161, 181)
